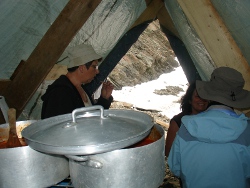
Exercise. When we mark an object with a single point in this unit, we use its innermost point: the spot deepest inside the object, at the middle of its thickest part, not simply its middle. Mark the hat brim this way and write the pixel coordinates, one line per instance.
(206, 90)
(82, 54)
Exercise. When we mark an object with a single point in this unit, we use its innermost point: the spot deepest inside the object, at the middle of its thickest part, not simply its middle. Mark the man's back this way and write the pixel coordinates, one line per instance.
(212, 149)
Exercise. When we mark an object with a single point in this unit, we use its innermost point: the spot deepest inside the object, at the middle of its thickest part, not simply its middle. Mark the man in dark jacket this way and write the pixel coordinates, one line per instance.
(66, 93)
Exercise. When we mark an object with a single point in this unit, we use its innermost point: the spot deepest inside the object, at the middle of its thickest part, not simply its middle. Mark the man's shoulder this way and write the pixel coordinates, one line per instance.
(62, 82)
(60, 86)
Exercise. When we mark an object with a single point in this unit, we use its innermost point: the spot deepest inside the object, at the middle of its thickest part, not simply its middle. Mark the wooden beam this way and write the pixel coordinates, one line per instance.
(215, 36)
(3, 85)
(165, 20)
(56, 72)
(47, 52)
(248, 114)
(156, 10)
(150, 12)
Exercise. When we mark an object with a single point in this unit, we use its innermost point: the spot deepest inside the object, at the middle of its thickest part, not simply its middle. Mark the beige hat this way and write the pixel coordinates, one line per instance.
(81, 55)
(226, 87)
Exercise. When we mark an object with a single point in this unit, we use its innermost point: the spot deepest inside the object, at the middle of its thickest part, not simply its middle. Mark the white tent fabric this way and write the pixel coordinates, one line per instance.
(108, 23)
(200, 56)
(235, 15)
(24, 22)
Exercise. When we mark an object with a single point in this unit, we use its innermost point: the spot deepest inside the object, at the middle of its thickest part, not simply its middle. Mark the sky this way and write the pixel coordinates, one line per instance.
(143, 96)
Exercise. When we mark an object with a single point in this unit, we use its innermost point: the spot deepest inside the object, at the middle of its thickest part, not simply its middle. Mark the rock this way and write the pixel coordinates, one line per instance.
(146, 60)
(170, 90)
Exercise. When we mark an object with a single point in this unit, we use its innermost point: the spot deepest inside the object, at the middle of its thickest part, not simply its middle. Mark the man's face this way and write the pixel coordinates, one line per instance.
(91, 72)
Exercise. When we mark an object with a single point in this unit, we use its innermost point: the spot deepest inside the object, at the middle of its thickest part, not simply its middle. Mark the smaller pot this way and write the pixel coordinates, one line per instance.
(24, 167)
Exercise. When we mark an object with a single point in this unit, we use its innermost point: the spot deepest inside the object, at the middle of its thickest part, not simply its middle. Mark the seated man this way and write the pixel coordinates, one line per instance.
(66, 93)
(212, 148)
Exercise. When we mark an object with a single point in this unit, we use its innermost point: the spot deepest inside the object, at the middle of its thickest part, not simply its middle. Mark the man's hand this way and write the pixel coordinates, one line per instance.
(107, 89)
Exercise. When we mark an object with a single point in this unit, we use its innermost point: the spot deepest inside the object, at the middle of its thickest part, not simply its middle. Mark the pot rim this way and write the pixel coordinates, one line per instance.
(95, 130)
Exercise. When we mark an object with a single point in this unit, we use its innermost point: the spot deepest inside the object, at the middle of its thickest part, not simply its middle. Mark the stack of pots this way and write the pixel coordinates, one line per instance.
(99, 145)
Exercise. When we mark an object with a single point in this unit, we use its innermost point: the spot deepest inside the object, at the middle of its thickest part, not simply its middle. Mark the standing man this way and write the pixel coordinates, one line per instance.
(212, 148)
(66, 93)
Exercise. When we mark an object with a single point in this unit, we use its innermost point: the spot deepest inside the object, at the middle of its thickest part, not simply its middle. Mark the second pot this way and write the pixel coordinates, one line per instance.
(130, 167)
(24, 167)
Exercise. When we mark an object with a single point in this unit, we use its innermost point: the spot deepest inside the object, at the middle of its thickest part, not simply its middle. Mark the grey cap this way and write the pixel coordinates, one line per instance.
(226, 87)
(81, 55)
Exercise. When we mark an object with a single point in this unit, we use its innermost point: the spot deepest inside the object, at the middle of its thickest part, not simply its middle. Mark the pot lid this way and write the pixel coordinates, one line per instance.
(88, 130)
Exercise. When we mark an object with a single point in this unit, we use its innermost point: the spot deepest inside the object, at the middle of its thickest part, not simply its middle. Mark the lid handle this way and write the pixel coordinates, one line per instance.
(87, 109)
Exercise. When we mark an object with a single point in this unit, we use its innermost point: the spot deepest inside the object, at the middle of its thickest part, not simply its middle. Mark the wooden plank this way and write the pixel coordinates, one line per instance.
(248, 114)
(166, 21)
(56, 72)
(156, 10)
(215, 36)
(19, 67)
(150, 12)
(47, 52)
(3, 85)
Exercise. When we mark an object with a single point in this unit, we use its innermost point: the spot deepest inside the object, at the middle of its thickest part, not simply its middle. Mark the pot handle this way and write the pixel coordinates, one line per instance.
(92, 163)
(77, 158)
(86, 161)
(87, 109)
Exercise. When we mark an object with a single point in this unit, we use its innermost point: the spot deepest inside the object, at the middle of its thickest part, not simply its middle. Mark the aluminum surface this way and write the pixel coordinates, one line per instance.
(24, 167)
(134, 167)
(90, 132)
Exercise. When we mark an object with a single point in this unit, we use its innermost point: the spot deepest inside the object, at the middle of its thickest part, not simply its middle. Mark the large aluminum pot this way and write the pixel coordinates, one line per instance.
(24, 167)
(132, 167)
(92, 139)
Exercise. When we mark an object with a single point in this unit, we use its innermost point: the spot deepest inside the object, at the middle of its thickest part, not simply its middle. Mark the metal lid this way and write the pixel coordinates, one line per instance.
(93, 130)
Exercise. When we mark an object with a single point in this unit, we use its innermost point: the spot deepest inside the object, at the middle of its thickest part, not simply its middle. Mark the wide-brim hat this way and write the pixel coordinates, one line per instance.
(226, 87)
(81, 55)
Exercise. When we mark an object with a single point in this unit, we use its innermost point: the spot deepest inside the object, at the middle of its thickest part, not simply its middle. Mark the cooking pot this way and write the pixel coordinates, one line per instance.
(91, 132)
(130, 167)
(94, 130)
(24, 167)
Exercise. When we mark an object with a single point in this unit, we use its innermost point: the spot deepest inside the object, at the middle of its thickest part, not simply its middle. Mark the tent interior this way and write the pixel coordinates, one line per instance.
(36, 35)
